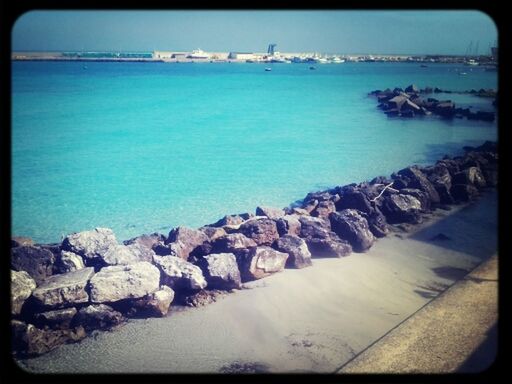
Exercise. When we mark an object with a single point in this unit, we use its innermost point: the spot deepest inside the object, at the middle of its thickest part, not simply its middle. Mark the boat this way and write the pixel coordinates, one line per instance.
(423, 66)
(312, 68)
(268, 69)
(462, 73)
(198, 54)
(471, 62)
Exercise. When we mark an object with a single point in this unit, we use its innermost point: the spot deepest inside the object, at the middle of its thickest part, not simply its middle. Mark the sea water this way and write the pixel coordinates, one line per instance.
(144, 147)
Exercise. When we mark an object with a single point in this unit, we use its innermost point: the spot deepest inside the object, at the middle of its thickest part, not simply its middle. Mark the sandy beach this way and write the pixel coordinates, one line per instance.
(309, 320)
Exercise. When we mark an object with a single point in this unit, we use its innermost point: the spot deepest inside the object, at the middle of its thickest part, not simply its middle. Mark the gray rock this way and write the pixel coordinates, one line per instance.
(418, 180)
(232, 242)
(148, 241)
(90, 244)
(19, 241)
(232, 220)
(422, 197)
(221, 271)
(288, 225)
(299, 211)
(188, 241)
(471, 175)
(378, 224)
(127, 254)
(314, 227)
(352, 198)
(399, 208)
(213, 233)
(69, 262)
(156, 303)
(56, 319)
(64, 290)
(38, 262)
(179, 274)
(441, 179)
(296, 248)
(330, 246)
(98, 316)
(348, 224)
(262, 231)
(323, 209)
(270, 212)
(22, 286)
(120, 282)
(262, 261)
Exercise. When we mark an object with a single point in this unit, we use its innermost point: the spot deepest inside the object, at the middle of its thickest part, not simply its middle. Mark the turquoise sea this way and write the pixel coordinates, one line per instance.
(144, 147)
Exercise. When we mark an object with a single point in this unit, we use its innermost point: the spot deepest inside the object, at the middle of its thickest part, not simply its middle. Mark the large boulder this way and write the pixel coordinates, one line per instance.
(464, 192)
(471, 175)
(296, 248)
(439, 176)
(64, 290)
(98, 316)
(56, 319)
(232, 220)
(69, 262)
(314, 227)
(377, 223)
(22, 286)
(120, 282)
(288, 225)
(422, 197)
(232, 242)
(221, 271)
(331, 246)
(127, 254)
(348, 224)
(91, 245)
(270, 212)
(189, 241)
(262, 231)
(399, 208)
(213, 233)
(19, 241)
(324, 208)
(38, 262)
(179, 274)
(28, 340)
(418, 180)
(148, 241)
(262, 261)
(156, 303)
(352, 198)
(445, 109)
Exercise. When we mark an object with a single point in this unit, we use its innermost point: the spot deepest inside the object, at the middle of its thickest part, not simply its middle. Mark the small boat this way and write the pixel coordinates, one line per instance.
(268, 69)
(462, 73)
(312, 68)
(423, 66)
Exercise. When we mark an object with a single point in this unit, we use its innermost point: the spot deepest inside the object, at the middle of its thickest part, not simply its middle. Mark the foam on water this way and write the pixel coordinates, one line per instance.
(143, 147)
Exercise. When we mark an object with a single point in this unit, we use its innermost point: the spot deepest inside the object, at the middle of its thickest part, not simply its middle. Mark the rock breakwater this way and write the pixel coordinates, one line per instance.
(63, 292)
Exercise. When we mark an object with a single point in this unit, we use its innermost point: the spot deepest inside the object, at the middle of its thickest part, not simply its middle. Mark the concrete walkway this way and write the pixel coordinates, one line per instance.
(456, 332)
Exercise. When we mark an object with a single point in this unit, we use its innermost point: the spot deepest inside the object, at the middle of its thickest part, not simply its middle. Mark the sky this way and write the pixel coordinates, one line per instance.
(344, 32)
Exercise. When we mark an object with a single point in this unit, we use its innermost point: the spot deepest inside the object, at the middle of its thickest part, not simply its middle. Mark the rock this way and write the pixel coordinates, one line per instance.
(309, 206)
(445, 109)
(288, 224)
(352, 198)
(419, 181)
(232, 242)
(141, 251)
(221, 271)
(314, 227)
(399, 208)
(324, 208)
(412, 89)
(156, 303)
(179, 274)
(64, 290)
(213, 233)
(262, 231)
(441, 179)
(297, 250)
(330, 246)
(472, 176)
(299, 211)
(377, 223)
(232, 220)
(120, 282)
(148, 241)
(422, 197)
(56, 319)
(22, 286)
(262, 261)
(464, 192)
(69, 262)
(270, 212)
(127, 254)
(348, 224)
(27, 340)
(90, 245)
(19, 241)
(98, 316)
(203, 298)
(397, 102)
(190, 241)
(38, 262)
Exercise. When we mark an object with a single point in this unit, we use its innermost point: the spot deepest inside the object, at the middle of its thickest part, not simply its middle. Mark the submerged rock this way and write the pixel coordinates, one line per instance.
(64, 290)
(22, 286)
(120, 282)
(296, 248)
(221, 271)
(348, 224)
(37, 262)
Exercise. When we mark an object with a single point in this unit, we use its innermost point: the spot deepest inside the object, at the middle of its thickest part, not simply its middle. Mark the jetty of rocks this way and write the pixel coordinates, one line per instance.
(90, 281)
(410, 102)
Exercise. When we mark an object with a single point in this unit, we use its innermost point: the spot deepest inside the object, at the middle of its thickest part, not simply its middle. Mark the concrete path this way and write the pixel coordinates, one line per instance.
(456, 332)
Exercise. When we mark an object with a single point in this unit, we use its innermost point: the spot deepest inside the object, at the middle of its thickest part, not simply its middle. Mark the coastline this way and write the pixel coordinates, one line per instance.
(310, 320)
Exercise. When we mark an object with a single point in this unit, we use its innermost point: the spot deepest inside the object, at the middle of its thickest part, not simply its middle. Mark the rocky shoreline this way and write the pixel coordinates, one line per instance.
(63, 292)
(409, 103)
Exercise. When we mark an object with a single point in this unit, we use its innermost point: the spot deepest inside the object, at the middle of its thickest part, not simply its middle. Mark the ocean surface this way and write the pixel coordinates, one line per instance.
(144, 147)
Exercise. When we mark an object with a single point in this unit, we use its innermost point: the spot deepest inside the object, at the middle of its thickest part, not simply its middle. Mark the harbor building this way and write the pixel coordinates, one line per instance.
(241, 56)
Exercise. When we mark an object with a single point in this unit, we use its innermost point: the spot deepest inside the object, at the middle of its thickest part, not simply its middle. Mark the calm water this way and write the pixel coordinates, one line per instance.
(143, 147)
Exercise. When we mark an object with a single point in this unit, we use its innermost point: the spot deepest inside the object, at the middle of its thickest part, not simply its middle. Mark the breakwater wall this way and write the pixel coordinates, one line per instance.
(62, 292)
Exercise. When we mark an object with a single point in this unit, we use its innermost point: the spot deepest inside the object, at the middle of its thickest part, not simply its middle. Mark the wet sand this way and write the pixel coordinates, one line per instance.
(309, 320)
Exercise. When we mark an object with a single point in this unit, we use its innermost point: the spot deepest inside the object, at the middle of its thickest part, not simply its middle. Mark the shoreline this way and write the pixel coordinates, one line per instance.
(325, 314)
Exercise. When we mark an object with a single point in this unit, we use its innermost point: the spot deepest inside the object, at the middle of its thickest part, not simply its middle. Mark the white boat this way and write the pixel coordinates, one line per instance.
(268, 69)
(337, 60)
(198, 54)
(471, 62)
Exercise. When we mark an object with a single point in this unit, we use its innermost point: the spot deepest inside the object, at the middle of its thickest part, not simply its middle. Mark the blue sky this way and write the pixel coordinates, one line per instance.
(406, 32)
